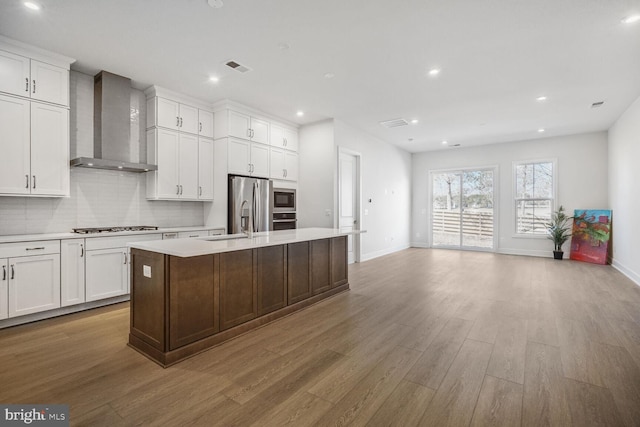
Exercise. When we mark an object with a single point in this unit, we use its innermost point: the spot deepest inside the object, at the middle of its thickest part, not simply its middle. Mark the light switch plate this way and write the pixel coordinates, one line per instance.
(146, 271)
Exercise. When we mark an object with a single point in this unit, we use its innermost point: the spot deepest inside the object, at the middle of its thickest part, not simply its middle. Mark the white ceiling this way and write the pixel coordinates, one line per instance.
(496, 57)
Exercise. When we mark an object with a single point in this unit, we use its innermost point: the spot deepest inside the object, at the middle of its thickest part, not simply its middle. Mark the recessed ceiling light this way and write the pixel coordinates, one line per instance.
(216, 4)
(434, 72)
(631, 19)
(540, 130)
(214, 79)
(414, 121)
(541, 98)
(300, 113)
(444, 142)
(31, 5)
(329, 75)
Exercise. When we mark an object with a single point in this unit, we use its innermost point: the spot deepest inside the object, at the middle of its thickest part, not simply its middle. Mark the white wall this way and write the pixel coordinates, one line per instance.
(386, 180)
(582, 182)
(624, 191)
(98, 198)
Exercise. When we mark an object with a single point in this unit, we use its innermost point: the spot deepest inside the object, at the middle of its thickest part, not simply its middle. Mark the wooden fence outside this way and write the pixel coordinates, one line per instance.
(474, 223)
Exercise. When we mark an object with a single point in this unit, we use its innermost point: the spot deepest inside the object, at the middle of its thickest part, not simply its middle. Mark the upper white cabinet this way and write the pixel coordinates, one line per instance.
(247, 158)
(240, 125)
(283, 165)
(22, 76)
(33, 131)
(205, 169)
(283, 137)
(173, 115)
(205, 123)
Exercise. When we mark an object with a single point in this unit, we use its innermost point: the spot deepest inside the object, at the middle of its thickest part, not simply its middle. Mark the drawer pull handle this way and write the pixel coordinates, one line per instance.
(36, 249)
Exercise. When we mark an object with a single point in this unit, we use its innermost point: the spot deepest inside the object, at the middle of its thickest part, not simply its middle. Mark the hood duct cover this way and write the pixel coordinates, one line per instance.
(111, 126)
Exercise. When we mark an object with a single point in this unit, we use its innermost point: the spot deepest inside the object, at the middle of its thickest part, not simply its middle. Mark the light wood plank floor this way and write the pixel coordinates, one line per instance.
(425, 337)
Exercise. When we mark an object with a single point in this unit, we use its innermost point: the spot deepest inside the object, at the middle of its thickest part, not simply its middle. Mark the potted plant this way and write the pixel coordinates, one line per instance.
(559, 230)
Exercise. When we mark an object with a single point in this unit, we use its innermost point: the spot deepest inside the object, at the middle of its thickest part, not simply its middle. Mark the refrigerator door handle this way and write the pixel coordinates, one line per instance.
(256, 207)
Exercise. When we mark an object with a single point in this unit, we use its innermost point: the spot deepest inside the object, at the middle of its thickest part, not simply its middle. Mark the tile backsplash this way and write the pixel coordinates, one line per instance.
(98, 197)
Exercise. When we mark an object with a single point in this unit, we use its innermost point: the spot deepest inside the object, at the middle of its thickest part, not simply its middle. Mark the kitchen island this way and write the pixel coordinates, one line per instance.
(188, 295)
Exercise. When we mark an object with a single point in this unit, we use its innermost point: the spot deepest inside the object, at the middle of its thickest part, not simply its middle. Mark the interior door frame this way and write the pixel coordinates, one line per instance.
(357, 208)
(496, 201)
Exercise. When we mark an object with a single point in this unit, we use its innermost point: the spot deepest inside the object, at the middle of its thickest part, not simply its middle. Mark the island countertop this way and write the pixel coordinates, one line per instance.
(228, 243)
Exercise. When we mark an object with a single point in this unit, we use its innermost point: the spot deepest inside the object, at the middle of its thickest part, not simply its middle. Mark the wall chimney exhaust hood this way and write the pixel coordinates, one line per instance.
(112, 127)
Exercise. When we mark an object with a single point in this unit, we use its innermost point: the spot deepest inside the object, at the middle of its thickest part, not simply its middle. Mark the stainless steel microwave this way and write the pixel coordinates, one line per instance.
(284, 200)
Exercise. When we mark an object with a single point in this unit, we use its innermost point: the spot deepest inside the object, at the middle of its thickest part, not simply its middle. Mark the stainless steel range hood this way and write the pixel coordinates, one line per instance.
(111, 127)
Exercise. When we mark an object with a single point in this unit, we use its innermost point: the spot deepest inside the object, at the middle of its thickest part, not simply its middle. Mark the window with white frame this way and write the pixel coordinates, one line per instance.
(534, 195)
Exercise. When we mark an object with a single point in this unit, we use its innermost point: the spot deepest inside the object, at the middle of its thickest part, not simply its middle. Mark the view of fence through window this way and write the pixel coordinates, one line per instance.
(534, 196)
(462, 208)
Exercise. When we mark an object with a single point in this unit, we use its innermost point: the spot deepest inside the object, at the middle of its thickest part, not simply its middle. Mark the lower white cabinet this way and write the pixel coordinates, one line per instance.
(107, 273)
(34, 284)
(4, 288)
(72, 279)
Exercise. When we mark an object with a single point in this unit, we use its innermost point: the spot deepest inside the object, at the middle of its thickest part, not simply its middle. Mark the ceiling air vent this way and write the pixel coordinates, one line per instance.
(394, 123)
(454, 145)
(236, 66)
(597, 104)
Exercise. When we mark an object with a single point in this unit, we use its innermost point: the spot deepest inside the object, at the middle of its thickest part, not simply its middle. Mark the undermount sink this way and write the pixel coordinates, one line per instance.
(227, 237)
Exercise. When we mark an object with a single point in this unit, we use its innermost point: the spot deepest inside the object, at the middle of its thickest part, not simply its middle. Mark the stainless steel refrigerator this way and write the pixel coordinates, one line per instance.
(250, 204)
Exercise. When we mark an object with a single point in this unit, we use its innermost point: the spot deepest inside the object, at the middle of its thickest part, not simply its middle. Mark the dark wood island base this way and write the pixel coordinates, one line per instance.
(183, 306)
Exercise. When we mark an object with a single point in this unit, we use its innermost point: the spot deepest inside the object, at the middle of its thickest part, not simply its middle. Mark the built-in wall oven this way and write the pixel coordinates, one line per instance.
(284, 209)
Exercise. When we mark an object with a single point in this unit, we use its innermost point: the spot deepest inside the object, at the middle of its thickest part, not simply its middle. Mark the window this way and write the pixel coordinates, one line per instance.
(534, 196)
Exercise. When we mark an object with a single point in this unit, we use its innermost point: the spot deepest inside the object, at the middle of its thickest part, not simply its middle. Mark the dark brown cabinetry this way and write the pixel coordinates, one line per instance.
(238, 288)
(339, 272)
(148, 300)
(320, 266)
(272, 278)
(298, 279)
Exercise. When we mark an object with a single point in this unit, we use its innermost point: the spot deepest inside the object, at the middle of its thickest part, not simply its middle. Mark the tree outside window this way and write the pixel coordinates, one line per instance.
(534, 196)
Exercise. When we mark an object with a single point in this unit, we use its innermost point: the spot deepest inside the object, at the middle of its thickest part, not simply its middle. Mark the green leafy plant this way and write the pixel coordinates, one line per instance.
(559, 228)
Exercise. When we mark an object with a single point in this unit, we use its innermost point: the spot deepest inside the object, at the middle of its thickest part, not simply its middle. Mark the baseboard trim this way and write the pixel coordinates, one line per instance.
(377, 254)
(529, 252)
(632, 275)
(420, 245)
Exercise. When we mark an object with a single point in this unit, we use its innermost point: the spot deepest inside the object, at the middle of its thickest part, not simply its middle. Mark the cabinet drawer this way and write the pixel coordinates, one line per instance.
(188, 234)
(40, 247)
(119, 241)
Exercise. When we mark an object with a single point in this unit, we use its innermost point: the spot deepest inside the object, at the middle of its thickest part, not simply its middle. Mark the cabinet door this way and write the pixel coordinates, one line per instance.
(205, 169)
(298, 277)
(290, 139)
(205, 119)
(272, 279)
(239, 125)
(168, 113)
(4, 288)
(34, 284)
(15, 136)
(238, 156)
(14, 74)
(188, 159)
(49, 83)
(72, 272)
(188, 119)
(238, 288)
(320, 264)
(276, 136)
(291, 166)
(168, 154)
(276, 164)
(49, 150)
(339, 267)
(259, 131)
(260, 160)
(107, 273)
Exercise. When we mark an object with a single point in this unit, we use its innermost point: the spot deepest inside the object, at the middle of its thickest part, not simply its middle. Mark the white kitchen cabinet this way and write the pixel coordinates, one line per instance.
(283, 137)
(191, 234)
(205, 169)
(107, 273)
(284, 165)
(174, 115)
(217, 232)
(176, 155)
(33, 79)
(34, 284)
(72, 272)
(247, 127)
(35, 137)
(4, 288)
(247, 158)
(205, 123)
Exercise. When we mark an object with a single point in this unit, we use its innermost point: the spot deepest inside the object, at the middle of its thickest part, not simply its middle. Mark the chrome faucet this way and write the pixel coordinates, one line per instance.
(246, 221)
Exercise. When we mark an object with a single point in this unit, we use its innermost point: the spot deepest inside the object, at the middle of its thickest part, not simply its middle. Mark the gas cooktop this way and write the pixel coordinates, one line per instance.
(113, 229)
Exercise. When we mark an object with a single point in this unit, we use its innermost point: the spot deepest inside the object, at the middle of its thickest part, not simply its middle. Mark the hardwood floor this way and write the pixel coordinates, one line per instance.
(424, 337)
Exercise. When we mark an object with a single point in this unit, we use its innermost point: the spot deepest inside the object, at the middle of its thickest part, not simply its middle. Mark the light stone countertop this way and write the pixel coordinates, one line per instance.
(229, 243)
(14, 238)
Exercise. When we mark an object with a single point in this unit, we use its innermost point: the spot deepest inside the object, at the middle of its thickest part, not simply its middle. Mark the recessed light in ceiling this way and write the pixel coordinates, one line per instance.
(541, 98)
(329, 75)
(414, 121)
(540, 130)
(214, 79)
(444, 142)
(434, 72)
(631, 19)
(216, 4)
(32, 5)
(300, 113)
